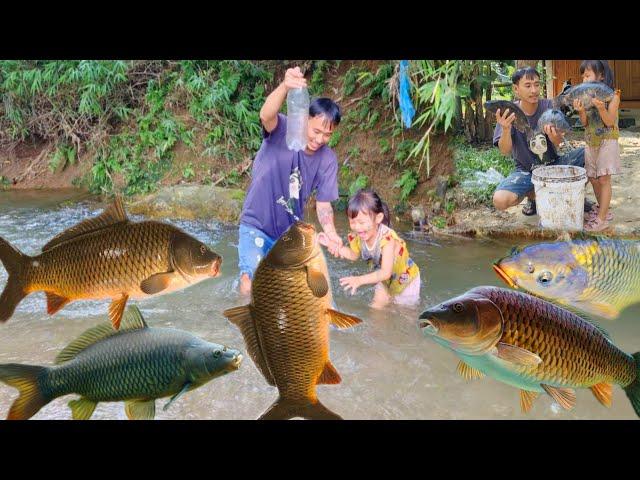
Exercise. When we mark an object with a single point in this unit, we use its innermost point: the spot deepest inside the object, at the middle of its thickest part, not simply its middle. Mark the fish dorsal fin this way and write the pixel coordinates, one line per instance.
(132, 319)
(114, 214)
(86, 339)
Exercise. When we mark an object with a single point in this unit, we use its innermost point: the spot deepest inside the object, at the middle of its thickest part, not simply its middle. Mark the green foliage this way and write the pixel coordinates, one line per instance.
(385, 146)
(407, 184)
(64, 155)
(4, 182)
(125, 112)
(358, 184)
(316, 85)
(349, 82)
(439, 222)
(187, 172)
(403, 151)
(335, 138)
(469, 160)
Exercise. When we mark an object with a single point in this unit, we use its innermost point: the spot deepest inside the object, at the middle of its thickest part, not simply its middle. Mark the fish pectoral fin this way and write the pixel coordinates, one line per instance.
(526, 400)
(468, 372)
(603, 392)
(517, 355)
(116, 309)
(342, 320)
(565, 397)
(317, 282)
(55, 302)
(82, 408)
(242, 317)
(284, 410)
(184, 390)
(329, 375)
(156, 283)
(238, 315)
(140, 409)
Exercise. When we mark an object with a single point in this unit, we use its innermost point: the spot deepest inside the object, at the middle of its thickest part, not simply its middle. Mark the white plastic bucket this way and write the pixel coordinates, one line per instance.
(560, 196)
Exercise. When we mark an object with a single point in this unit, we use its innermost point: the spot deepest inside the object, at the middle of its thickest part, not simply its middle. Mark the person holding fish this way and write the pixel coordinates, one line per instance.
(602, 153)
(396, 276)
(283, 180)
(515, 142)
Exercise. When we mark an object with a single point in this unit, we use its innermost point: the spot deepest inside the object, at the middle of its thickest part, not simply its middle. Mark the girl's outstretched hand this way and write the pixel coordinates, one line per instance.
(351, 283)
(333, 247)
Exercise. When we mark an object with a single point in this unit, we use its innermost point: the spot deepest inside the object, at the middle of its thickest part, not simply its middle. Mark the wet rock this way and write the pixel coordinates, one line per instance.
(191, 202)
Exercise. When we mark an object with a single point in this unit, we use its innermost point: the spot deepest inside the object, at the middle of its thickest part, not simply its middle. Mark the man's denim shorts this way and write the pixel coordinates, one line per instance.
(253, 245)
(519, 181)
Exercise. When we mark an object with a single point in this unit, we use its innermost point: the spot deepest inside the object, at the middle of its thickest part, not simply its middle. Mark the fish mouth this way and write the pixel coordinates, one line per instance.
(215, 267)
(234, 364)
(503, 275)
(427, 326)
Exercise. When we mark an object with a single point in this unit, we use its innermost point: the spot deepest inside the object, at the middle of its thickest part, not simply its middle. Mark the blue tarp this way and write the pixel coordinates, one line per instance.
(406, 106)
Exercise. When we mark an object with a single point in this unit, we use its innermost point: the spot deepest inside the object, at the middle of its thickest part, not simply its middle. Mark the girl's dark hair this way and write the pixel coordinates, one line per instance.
(366, 200)
(599, 67)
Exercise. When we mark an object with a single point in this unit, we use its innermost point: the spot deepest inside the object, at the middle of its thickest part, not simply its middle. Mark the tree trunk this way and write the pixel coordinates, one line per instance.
(526, 63)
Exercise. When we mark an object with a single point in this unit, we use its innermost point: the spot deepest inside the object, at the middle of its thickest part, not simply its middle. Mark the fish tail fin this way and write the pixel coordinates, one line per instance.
(13, 260)
(28, 380)
(633, 389)
(283, 409)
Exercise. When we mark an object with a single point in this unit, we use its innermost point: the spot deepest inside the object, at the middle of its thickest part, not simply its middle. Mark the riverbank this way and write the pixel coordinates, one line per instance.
(486, 221)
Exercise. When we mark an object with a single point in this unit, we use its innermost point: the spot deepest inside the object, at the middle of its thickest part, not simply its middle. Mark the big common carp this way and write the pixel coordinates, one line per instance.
(136, 364)
(521, 122)
(286, 325)
(531, 344)
(107, 257)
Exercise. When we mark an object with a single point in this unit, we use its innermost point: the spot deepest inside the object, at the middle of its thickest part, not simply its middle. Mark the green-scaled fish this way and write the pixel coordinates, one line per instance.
(107, 257)
(596, 275)
(135, 364)
(531, 344)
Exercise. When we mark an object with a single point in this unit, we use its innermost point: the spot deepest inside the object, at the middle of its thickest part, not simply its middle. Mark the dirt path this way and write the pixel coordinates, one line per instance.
(483, 220)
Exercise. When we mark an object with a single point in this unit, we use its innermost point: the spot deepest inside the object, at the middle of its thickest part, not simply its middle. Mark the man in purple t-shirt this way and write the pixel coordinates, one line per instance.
(283, 180)
(511, 191)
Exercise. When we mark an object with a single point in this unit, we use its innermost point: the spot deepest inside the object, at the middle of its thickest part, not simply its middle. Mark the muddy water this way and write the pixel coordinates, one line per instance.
(389, 370)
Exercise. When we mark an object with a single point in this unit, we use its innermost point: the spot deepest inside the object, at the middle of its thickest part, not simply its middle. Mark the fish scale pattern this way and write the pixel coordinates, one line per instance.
(574, 352)
(140, 364)
(293, 330)
(614, 267)
(103, 264)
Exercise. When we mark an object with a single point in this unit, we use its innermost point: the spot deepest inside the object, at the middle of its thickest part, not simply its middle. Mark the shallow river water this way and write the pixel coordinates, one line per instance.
(389, 370)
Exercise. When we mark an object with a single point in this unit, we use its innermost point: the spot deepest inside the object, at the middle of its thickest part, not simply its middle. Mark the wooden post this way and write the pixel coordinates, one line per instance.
(548, 65)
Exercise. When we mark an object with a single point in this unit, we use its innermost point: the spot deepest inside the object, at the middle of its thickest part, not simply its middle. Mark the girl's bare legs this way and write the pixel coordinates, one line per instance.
(604, 199)
(381, 297)
(596, 188)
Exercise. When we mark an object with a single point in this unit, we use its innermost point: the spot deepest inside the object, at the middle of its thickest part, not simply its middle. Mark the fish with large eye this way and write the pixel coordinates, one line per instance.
(596, 275)
(545, 277)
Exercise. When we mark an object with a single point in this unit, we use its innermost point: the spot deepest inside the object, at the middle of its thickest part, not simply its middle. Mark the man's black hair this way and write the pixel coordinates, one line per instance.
(326, 107)
(527, 72)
